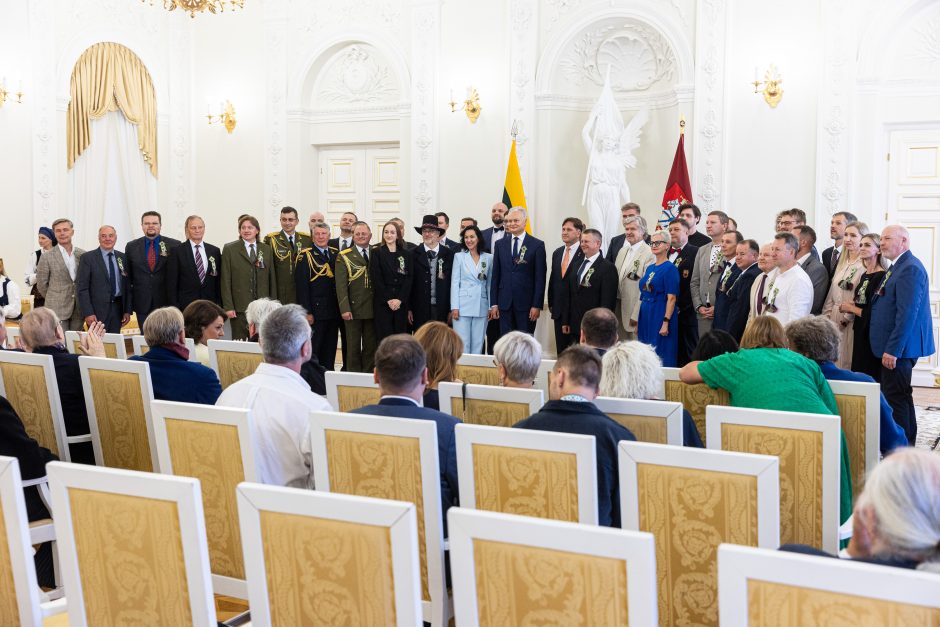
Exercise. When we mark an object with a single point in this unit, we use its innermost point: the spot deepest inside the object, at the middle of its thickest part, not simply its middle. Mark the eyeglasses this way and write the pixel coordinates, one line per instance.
(657, 243)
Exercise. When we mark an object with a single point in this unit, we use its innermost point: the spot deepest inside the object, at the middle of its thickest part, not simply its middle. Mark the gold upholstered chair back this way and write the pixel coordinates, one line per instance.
(307, 550)
(233, 361)
(132, 547)
(28, 381)
(140, 347)
(477, 369)
(528, 473)
(118, 393)
(692, 500)
(214, 445)
(388, 458)
(695, 397)
(860, 409)
(488, 405)
(347, 391)
(808, 447)
(114, 346)
(762, 588)
(515, 570)
(657, 422)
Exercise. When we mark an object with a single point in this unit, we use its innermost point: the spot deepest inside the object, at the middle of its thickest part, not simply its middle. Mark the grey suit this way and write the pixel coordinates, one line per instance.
(820, 276)
(58, 288)
(703, 285)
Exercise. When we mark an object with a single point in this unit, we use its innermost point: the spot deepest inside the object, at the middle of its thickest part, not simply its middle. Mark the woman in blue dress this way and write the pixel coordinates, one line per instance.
(659, 288)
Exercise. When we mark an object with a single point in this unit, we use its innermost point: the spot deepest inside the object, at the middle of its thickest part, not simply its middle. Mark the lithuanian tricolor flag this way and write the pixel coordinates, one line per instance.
(513, 194)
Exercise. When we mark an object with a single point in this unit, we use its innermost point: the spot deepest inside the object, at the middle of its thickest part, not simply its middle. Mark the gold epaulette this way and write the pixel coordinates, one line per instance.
(271, 234)
(347, 251)
(302, 233)
(333, 248)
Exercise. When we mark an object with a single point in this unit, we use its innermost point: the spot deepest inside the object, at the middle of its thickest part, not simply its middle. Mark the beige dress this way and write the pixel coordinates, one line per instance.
(848, 275)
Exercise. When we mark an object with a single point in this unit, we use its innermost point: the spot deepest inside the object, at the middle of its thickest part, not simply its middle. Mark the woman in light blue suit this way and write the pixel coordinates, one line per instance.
(470, 289)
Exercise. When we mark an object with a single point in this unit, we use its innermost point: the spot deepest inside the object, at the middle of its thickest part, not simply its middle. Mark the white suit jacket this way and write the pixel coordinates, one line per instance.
(628, 290)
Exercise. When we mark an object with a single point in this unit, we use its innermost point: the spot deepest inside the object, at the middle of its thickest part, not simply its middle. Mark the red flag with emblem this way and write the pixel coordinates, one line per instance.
(678, 188)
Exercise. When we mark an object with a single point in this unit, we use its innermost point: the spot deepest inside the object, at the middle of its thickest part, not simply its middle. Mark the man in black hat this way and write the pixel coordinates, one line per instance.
(430, 289)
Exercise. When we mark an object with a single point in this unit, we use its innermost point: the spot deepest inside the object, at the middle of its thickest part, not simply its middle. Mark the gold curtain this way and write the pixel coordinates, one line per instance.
(108, 77)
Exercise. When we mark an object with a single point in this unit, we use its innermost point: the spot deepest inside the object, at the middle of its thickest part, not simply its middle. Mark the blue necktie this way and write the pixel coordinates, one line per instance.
(515, 247)
(111, 278)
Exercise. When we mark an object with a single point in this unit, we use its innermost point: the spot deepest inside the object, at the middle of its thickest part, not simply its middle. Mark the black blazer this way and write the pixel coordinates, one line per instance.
(488, 236)
(317, 296)
(71, 393)
(420, 303)
(391, 275)
(93, 288)
(32, 458)
(556, 284)
(686, 268)
(616, 243)
(739, 302)
(721, 298)
(182, 280)
(600, 291)
(455, 247)
(149, 288)
(334, 243)
(699, 239)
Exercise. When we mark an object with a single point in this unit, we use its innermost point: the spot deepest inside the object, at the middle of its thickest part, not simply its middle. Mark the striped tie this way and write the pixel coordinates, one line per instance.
(200, 268)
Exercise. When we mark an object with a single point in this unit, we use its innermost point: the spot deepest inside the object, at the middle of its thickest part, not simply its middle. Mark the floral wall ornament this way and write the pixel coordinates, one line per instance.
(357, 75)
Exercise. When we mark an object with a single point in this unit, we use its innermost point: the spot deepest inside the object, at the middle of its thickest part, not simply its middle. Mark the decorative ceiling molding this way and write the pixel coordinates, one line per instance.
(41, 39)
(275, 47)
(626, 102)
(523, 50)
(708, 145)
(356, 77)
(425, 53)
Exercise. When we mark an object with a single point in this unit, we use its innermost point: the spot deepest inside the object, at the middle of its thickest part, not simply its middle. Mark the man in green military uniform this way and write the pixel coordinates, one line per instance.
(286, 244)
(354, 294)
(247, 274)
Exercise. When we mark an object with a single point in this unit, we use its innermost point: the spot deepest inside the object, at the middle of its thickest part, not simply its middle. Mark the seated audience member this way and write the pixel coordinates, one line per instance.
(311, 371)
(3, 334)
(10, 302)
(174, 377)
(764, 374)
(518, 357)
(599, 330)
(280, 400)
(634, 370)
(818, 339)
(896, 521)
(204, 321)
(442, 348)
(401, 373)
(41, 333)
(715, 342)
(572, 388)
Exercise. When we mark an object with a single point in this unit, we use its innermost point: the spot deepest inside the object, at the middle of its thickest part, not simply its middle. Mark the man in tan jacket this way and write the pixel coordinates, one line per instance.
(55, 276)
(632, 261)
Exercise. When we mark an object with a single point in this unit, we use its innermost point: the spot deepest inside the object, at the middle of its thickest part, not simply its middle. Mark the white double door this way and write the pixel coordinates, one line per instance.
(363, 180)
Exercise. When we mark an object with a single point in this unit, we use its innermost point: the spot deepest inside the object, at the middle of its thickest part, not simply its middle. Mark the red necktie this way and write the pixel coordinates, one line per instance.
(152, 255)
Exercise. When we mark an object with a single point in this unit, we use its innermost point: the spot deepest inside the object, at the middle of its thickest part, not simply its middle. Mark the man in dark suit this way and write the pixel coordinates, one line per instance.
(814, 268)
(443, 221)
(566, 257)
(729, 274)
(616, 242)
(837, 224)
(402, 375)
(599, 330)
(738, 295)
(192, 269)
(592, 283)
(345, 239)
(147, 258)
(517, 294)
(315, 281)
(102, 284)
(682, 254)
(693, 215)
(900, 330)
(433, 263)
(492, 234)
(577, 375)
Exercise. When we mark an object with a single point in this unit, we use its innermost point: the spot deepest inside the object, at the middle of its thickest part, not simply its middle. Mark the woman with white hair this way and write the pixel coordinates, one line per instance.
(518, 357)
(633, 370)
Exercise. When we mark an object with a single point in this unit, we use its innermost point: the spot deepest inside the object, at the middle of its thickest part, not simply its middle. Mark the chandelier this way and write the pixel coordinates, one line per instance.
(200, 6)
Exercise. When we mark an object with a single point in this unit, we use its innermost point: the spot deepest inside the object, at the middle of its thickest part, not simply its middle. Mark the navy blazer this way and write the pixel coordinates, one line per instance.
(93, 287)
(739, 302)
(518, 284)
(488, 236)
(900, 319)
(446, 444)
(586, 419)
(721, 298)
(318, 296)
(685, 266)
(175, 379)
(892, 435)
(616, 243)
(598, 290)
(556, 284)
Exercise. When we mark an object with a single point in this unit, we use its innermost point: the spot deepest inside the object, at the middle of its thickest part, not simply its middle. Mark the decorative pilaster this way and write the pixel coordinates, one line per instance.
(42, 43)
(708, 131)
(275, 166)
(425, 51)
(181, 121)
(523, 55)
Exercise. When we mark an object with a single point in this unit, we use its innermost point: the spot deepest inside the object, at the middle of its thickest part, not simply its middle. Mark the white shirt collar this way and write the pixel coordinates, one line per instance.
(249, 244)
(574, 248)
(521, 236)
(433, 250)
(404, 398)
(635, 247)
(275, 370)
(800, 261)
(592, 259)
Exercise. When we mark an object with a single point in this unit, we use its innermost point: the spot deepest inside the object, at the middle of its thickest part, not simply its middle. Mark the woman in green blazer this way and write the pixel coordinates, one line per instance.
(247, 274)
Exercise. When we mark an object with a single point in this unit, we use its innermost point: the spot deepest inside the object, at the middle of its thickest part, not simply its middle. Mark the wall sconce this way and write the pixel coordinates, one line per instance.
(226, 116)
(4, 94)
(772, 90)
(471, 105)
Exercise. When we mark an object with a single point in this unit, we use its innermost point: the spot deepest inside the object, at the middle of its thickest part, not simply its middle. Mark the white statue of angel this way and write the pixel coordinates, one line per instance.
(610, 147)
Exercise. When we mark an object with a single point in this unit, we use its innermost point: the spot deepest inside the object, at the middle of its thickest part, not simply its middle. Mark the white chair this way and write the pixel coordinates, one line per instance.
(658, 422)
(809, 449)
(233, 361)
(528, 473)
(541, 377)
(118, 393)
(860, 409)
(514, 570)
(346, 391)
(488, 405)
(477, 369)
(363, 549)
(20, 595)
(695, 397)
(762, 588)
(692, 500)
(403, 466)
(28, 381)
(140, 346)
(132, 547)
(13, 333)
(114, 346)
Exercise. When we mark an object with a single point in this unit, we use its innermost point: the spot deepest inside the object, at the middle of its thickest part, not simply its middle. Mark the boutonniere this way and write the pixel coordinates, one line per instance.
(482, 275)
(586, 281)
(401, 265)
(678, 261)
(521, 258)
(846, 283)
(214, 271)
(121, 266)
(162, 248)
(633, 275)
(724, 279)
(881, 288)
(861, 298)
(649, 282)
(259, 263)
(771, 307)
(440, 269)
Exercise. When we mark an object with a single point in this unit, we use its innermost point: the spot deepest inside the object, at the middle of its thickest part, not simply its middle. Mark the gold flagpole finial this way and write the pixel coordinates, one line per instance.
(681, 124)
